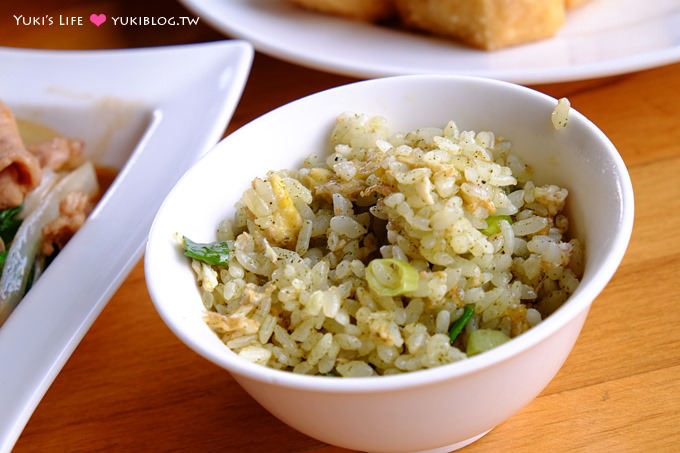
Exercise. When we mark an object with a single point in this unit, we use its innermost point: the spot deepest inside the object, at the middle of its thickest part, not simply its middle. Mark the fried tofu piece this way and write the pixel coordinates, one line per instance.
(365, 10)
(486, 24)
(574, 3)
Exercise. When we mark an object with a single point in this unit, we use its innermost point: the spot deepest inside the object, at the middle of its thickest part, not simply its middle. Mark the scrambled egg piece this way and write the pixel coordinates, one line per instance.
(286, 220)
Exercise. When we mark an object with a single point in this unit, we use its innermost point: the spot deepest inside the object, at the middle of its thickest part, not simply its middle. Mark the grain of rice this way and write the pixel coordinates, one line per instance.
(560, 115)
(256, 354)
(355, 368)
(531, 225)
(443, 321)
(407, 362)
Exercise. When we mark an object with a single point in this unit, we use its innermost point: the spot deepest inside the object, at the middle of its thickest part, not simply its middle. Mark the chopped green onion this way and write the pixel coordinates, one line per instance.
(390, 277)
(9, 224)
(213, 253)
(460, 323)
(493, 224)
(482, 340)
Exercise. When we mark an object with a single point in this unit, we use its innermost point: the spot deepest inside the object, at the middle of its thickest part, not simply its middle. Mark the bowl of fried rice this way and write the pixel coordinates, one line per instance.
(394, 265)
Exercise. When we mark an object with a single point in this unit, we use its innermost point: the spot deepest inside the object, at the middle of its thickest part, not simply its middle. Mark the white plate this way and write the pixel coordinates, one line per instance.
(602, 38)
(149, 112)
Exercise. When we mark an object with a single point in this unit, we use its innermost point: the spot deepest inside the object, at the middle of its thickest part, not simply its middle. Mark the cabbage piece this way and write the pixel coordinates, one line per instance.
(481, 340)
(26, 244)
(36, 197)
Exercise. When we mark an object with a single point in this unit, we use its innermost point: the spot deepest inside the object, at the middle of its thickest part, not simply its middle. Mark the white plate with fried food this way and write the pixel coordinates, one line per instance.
(145, 115)
(597, 38)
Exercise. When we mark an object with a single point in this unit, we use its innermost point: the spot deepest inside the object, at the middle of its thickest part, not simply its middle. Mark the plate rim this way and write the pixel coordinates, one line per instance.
(327, 63)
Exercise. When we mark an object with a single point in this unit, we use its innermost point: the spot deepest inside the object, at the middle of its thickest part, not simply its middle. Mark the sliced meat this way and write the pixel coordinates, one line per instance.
(73, 210)
(58, 154)
(19, 169)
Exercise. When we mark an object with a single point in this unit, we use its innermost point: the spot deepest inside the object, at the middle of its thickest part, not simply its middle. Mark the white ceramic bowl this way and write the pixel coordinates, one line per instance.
(437, 409)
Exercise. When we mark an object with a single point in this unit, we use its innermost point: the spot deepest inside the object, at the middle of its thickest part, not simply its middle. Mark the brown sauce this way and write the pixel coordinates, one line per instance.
(105, 177)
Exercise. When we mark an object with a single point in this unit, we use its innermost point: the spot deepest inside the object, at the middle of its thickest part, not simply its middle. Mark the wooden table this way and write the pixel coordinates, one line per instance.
(131, 385)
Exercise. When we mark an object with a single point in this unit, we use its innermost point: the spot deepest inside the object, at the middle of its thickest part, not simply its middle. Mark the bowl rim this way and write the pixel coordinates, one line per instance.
(578, 303)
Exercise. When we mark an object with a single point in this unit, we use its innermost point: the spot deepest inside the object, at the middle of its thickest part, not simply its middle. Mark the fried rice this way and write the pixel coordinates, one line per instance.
(366, 260)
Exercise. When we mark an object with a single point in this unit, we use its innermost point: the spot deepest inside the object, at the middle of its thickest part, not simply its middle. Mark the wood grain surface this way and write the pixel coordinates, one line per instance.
(132, 386)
